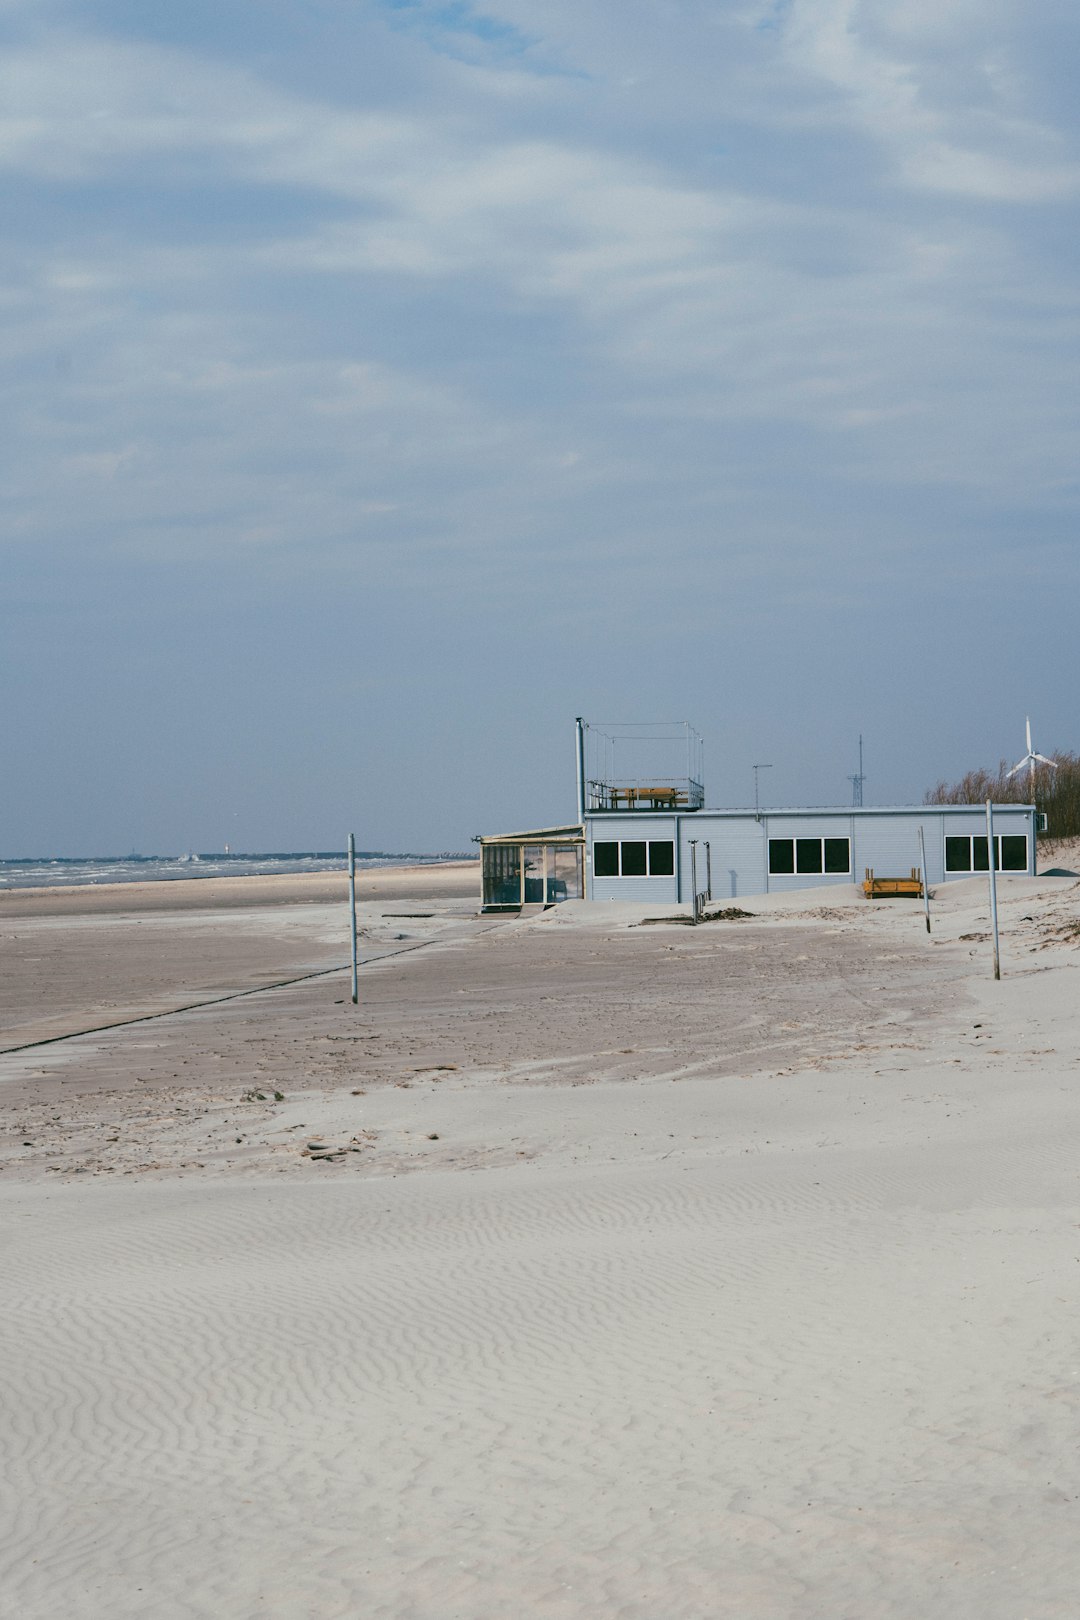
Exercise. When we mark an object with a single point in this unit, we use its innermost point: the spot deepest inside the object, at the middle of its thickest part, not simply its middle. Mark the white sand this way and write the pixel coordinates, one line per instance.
(719, 1272)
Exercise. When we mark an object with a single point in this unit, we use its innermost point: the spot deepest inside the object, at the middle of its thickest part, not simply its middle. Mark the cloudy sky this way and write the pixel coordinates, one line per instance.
(389, 381)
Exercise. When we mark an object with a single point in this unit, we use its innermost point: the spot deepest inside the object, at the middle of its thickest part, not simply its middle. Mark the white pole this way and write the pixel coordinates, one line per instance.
(992, 864)
(925, 879)
(352, 914)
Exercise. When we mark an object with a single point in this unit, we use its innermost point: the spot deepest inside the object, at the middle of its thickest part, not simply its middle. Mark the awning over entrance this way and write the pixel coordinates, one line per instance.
(537, 868)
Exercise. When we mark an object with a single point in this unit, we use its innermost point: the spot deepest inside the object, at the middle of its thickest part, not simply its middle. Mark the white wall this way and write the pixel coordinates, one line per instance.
(887, 841)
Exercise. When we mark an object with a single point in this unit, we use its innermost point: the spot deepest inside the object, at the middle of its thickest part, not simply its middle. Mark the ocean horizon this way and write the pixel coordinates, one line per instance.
(47, 872)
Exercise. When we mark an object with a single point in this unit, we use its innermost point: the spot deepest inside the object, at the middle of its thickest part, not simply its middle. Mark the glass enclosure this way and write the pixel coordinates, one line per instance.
(565, 880)
(650, 766)
(502, 875)
(531, 874)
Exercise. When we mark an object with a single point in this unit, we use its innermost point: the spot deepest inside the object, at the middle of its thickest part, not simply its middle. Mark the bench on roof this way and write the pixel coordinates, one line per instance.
(660, 798)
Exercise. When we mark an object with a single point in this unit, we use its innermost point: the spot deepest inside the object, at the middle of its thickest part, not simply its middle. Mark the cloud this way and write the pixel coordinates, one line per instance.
(77, 108)
(966, 132)
(715, 292)
(527, 360)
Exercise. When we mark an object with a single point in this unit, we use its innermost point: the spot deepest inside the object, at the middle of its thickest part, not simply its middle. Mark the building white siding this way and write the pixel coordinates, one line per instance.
(885, 840)
(650, 830)
(809, 826)
(738, 857)
(645, 890)
(890, 847)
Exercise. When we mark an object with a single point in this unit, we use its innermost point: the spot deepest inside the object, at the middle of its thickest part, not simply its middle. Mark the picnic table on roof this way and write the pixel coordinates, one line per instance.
(660, 798)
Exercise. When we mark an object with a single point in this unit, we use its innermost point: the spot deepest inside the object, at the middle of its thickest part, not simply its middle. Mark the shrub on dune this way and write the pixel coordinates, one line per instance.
(1055, 792)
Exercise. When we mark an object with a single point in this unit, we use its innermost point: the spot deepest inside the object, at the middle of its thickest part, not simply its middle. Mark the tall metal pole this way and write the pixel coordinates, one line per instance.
(352, 915)
(992, 864)
(860, 768)
(708, 870)
(857, 781)
(693, 878)
(925, 879)
(580, 768)
(756, 769)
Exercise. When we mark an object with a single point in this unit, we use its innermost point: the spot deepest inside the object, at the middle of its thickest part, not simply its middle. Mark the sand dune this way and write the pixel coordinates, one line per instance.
(584, 1326)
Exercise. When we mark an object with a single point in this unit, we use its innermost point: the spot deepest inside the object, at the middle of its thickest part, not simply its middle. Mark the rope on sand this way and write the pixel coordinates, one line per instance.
(216, 1001)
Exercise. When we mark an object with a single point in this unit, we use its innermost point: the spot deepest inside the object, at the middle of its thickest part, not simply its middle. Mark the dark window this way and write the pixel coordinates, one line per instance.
(633, 860)
(781, 855)
(969, 854)
(1012, 856)
(656, 858)
(958, 854)
(808, 854)
(605, 860)
(837, 855)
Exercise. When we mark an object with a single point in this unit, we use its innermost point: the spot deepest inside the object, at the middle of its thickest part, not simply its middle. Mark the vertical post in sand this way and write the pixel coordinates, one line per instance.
(693, 880)
(352, 915)
(992, 864)
(925, 879)
(708, 871)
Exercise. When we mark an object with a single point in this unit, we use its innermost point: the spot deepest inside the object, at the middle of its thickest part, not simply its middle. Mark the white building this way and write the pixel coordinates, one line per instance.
(650, 838)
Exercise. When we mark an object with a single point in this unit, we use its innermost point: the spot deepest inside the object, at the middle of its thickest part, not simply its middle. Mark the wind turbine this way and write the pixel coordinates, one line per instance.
(1031, 759)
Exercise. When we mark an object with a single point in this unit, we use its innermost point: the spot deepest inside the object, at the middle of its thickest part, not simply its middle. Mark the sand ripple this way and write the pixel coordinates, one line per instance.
(678, 1391)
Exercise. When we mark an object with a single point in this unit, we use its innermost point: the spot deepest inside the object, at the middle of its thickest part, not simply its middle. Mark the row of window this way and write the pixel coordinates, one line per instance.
(970, 854)
(809, 855)
(797, 856)
(656, 858)
(962, 854)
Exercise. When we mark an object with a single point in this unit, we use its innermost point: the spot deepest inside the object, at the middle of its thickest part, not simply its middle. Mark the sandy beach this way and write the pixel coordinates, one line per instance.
(595, 1265)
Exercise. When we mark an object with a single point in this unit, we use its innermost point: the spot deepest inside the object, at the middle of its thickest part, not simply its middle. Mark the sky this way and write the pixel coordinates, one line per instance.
(388, 382)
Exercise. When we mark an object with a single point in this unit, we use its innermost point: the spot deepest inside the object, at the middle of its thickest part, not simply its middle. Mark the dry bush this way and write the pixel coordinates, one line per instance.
(1057, 793)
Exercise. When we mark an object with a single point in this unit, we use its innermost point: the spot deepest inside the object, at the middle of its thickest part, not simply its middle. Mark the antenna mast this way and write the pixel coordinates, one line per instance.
(857, 781)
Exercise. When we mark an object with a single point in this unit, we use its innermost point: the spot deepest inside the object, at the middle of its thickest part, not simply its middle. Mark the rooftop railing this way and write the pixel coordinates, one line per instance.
(669, 793)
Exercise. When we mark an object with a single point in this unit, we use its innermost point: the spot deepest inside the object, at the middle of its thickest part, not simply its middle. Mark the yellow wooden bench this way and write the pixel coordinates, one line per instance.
(878, 888)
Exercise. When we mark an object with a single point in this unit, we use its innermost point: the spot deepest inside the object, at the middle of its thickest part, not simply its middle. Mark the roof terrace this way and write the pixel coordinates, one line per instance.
(642, 765)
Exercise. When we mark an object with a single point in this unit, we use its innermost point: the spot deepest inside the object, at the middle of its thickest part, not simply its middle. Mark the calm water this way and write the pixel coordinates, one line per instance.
(46, 874)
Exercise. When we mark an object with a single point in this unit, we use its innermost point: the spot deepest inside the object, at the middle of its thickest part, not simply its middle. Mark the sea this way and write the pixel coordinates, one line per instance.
(67, 871)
